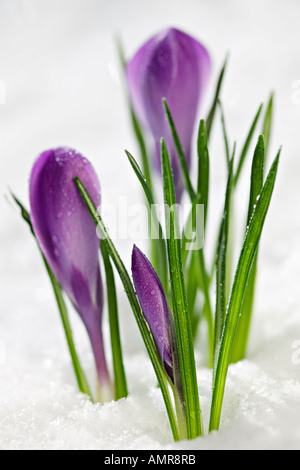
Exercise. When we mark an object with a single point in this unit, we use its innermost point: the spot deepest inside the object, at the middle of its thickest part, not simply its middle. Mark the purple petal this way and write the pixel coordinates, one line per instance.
(154, 305)
(67, 234)
(175, 66)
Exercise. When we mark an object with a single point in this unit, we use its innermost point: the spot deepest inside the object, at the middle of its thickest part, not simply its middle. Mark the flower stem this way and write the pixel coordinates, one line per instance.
(180, 412)
(104, 383)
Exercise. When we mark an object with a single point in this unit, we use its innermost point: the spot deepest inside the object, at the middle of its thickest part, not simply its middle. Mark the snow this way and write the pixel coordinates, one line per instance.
(59, 85)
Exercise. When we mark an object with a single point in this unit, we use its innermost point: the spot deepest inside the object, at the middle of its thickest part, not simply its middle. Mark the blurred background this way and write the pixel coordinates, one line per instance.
(60, 84)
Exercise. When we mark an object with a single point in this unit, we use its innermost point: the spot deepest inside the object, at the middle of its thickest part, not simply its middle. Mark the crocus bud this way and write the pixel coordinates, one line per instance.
(67, 236)
(154, 305)
(175, 66)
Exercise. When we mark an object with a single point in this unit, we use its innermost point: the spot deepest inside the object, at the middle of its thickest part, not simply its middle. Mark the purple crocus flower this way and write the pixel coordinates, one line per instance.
(154, 305)
(67, 236)
(175, 66)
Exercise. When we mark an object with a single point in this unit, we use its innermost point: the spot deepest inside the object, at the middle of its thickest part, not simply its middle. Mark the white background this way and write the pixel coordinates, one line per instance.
(60, 85)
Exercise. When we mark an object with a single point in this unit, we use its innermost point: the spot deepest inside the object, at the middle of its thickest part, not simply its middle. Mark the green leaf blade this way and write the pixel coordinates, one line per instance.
(221, 263)
(180, 152)
(237, 294)
(180, 307)
(159, 252)
(247, 144)
(268, 121)
(203, 168)
(257, 180)
(257, 175)
(227, 152)
(212, 112)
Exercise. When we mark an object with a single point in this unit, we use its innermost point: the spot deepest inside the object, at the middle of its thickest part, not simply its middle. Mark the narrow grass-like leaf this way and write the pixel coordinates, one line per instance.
(198, 267)
(243, 270)
(143, 150)
(24, 213)
(227, 152)
(190, 261)
(242, 334)
(221, 264)
(203, 168)
(212, 112)
(247, 145)
(257, 176)
(198, 279)
(120, 50)
(180, 307)
(190, 231)
(267, 124)
(135, 306)
(121, 390)
(207, 310)
(191, 292)
(180, 152)
(200, 198)
(79, 374)
(257, 180)
(159, 250)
